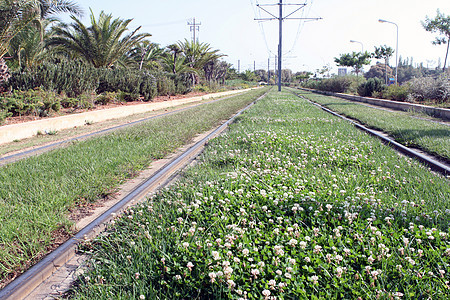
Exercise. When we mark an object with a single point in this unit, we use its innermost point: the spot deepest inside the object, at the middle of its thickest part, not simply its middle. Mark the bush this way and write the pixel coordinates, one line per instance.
(339, 84)
(396, 92)
(372, 85)
(32, 102)
(70, 77)
(427, 88)
(105, 98)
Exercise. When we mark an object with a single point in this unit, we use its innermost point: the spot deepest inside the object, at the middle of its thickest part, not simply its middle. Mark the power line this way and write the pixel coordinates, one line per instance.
(194, 27)
(280, 19)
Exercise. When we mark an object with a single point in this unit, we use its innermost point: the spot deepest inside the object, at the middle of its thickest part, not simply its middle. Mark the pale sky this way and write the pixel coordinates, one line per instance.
(229, 25)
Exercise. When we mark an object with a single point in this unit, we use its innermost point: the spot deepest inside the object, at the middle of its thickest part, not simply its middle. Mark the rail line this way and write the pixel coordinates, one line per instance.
(23, 285)
(432, 162)
(6, 159)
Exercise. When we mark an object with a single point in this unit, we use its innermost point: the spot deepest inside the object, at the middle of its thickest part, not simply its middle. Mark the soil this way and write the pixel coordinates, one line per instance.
(69, 111)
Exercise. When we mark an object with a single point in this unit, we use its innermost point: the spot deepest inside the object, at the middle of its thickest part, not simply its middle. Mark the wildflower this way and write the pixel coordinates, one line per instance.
(287, 275)
(307, 259)
(177, 277)
(266, 293)
(255, 272)
(190, 266)
(185, 244)
(227, 271)
(272, 283)
(303, 244)
(279, 272)
(142, 297)
(213, 276)
(245, 252)
(317, 249)
(231, 284)
(216, 255)
(292, 242)
(339, 272)
(315, 279)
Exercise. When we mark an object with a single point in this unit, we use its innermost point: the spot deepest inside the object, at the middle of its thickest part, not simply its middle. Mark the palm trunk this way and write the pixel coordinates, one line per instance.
(4, 72)
(446, 55)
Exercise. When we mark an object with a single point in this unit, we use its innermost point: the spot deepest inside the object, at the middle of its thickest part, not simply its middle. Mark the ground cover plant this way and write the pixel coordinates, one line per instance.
(291, 203)
(429, 136)
(37, 194)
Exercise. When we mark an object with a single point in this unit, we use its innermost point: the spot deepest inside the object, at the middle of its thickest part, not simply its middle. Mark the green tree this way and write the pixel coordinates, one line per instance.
(103, 44)
(355, 60)
(384, 52)
(440, 24)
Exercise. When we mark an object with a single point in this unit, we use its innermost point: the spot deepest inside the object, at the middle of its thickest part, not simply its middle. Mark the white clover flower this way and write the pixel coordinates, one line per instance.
(279, 272)
(315, 279)
(292, 242)
(236, 260)
(215, 255)
(288, 275)
(142, 297)
(303, 244)
(339, 272)
(212, 276)
(231, 283)
(307, 259)
(245, 252)
(272, 282)
(317, 249)
(292, 261)
(266, 293)
(177, 277)
(185, 244)
(227, 270)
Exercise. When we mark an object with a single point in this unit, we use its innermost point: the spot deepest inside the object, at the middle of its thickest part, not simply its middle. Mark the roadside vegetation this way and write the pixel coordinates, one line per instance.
(430, 136)
(290, 203)
(37, 194)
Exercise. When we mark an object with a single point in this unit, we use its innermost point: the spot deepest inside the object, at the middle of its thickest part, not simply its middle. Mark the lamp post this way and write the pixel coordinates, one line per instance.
(362, 46)
(396, 49)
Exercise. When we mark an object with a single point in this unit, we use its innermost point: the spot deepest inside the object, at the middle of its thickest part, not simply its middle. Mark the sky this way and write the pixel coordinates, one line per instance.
(308, 45)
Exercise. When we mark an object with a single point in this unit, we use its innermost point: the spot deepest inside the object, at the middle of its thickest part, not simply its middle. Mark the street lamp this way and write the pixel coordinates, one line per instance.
(396, 49)
(362, 46)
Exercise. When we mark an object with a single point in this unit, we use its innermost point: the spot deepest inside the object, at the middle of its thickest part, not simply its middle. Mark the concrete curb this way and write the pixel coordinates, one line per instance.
(442, 113)
(9, 133)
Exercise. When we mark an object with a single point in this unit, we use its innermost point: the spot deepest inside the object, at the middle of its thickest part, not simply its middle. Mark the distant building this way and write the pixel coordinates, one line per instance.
(342, 71)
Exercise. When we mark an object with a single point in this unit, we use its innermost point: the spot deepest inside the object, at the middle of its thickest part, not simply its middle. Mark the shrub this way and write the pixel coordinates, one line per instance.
(70, 77)
(372, 85)
(32, 102)
(427, 88)
(396, 92)
(105, 98)
(339, 84)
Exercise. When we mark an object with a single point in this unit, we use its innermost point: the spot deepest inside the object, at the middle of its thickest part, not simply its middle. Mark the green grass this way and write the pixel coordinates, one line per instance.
(404, 128)
(291, 202)
(37, 194)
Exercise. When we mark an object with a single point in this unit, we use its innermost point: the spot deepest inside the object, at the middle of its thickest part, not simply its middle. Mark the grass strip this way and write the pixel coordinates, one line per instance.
(37, 194)
(429, 136)
(290, 203)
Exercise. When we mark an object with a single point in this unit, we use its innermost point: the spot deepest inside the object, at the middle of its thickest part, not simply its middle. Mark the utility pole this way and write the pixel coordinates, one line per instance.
(239, 66)
(268, 70)
(254, 66)
(280, 19)
(194, 27)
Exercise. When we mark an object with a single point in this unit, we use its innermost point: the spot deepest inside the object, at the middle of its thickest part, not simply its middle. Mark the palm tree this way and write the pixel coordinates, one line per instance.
(102, 44)
(23, 17)
(198, 55)
(147, 54)
(15, 15)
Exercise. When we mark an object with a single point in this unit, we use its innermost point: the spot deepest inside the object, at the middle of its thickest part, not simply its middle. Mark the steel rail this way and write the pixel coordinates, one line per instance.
(42, 149)
(432, 163)
(23, 285)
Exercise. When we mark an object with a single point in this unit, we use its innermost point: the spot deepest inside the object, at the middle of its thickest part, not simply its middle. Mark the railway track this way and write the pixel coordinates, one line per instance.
(26, 283)
(10, 158)
(435, 163)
